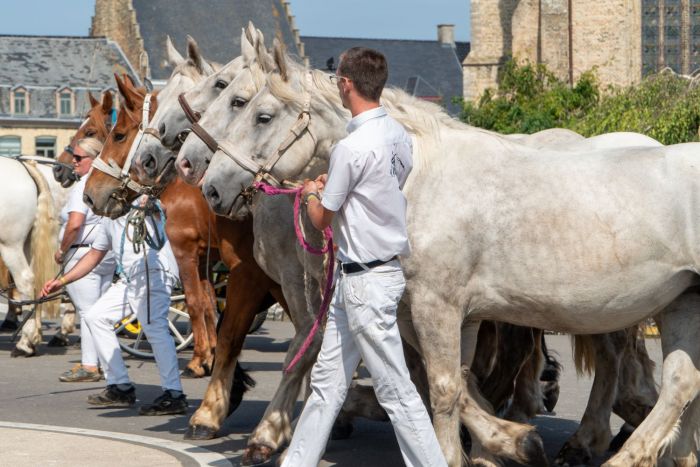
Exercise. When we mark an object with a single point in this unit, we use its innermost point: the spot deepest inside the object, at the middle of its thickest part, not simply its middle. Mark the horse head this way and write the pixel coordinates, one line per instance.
(254, 63)
(96, 125)
(284, 133)
(109, 192)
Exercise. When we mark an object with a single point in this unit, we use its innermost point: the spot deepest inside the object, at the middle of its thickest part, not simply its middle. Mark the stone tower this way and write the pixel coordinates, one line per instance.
(569, 36)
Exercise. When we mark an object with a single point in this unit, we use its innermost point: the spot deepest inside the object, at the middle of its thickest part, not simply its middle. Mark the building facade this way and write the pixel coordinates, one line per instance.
(44, 86)
(622, 39)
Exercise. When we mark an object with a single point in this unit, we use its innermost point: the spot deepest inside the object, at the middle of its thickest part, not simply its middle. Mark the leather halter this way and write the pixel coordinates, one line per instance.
(193, 116)
(259, 171)
(112, 169)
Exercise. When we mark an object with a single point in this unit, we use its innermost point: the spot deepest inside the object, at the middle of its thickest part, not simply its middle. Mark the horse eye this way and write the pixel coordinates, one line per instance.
(264, 118)
(238, 102)
(220, 84)
(119, 137)
(90, 133)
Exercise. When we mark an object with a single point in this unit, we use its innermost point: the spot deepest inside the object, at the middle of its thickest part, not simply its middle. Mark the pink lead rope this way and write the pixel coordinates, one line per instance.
(328, 248)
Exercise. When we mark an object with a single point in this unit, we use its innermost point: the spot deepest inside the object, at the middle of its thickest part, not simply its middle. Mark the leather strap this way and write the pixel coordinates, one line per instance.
(192, 115)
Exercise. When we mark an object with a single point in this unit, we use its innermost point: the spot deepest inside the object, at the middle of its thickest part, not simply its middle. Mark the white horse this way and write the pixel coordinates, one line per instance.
(585, 242)
(28, 237)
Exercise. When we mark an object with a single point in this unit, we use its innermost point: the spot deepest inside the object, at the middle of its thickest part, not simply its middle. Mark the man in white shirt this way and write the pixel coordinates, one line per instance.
(362, 197)
(132, 292)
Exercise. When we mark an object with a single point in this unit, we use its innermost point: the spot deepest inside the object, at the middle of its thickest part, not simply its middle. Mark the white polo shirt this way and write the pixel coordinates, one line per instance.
(75, 203)
(368, 169)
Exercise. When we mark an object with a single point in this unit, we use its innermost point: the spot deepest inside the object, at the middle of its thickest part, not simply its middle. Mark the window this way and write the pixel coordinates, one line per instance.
(20, 102)
(46, 146)
(10, 145)
(65, 103)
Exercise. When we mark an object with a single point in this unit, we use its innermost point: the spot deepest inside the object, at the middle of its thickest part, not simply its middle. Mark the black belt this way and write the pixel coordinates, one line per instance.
(80, 245)
(350, 268)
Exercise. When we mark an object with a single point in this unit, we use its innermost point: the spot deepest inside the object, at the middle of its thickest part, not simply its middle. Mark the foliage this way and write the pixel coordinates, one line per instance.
(530, 98)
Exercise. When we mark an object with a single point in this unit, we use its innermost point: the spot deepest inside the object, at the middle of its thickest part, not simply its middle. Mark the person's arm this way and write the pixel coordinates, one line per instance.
(86, 264)
(320, 216)
(70, 234)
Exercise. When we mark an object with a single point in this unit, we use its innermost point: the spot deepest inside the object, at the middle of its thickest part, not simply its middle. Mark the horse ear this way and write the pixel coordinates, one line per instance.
(247, 47)
(174, 57)
(93, 102)
(107, 102)
(265, 59)
(195, 57)
(280, 58)
(126, 89)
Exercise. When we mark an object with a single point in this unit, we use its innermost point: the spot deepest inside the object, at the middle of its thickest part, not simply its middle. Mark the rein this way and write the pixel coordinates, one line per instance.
(327, 249)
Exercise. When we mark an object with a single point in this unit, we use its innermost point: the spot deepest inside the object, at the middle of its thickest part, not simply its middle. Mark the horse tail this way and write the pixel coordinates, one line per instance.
(584, 354)
(43, 242)
(4, 275)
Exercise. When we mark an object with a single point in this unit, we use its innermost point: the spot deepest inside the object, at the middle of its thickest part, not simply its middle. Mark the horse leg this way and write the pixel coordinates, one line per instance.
(593, 434)
(16, 262)
(684, 452)
(60, 339)
(275, 428)
(245, 292)
(197, 301)
(210, 322)
(527, 395)
(680, 323)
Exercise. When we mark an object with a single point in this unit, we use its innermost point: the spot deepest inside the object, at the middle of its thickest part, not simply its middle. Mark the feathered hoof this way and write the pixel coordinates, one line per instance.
(570, 456)
(59, 340)
(621, 438)
(17, 352)
(257, 454)
(200, 432)
(192, 374)
(8, 326)
(530, 450)
(341, 431)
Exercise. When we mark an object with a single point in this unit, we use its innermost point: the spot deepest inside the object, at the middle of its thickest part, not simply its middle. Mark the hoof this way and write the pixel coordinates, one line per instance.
(190, 373)
(59, 340)
(621, 438)
(530, 450)
(200, 432)
(570, 456)
(17, 352)
(341, 431)
(257, 454)
(550, 395)
(8, 326)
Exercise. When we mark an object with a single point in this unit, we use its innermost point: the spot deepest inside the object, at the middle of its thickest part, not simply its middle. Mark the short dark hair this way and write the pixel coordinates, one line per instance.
(366, 68)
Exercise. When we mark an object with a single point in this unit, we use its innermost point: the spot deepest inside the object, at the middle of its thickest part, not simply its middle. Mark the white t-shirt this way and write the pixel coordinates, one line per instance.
(109, 237)
(368, 169)
(88, 232)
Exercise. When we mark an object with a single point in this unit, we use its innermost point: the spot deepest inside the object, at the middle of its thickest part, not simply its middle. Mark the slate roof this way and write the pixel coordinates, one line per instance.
(45, 64)
(425, 69)
(215, 25)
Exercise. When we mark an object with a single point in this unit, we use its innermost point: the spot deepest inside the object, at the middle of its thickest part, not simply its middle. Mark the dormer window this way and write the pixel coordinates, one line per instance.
(64, 102)
(19, 101)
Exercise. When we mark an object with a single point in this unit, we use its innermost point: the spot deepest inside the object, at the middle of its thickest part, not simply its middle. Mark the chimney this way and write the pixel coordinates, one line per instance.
(446, 34)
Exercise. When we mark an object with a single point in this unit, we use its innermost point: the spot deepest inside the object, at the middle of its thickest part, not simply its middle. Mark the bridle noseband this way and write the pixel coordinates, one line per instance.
(193, 116)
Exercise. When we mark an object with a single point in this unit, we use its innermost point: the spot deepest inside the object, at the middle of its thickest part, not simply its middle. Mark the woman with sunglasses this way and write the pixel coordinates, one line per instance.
(78, 231)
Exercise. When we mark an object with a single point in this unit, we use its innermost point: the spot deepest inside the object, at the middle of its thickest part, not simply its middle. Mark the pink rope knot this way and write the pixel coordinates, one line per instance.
(327, 249)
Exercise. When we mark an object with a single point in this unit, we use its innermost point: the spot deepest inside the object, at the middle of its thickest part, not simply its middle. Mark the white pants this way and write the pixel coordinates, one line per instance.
(116, 304)
(84, 293)
(362, 324)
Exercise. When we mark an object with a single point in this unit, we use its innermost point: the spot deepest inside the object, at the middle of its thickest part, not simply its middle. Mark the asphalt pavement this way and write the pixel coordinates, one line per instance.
(46, 422)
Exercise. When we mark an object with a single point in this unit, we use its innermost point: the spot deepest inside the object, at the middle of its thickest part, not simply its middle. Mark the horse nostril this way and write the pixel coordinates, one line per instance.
(186, 164)
(212, 195)
(149, 164)
(161, 129)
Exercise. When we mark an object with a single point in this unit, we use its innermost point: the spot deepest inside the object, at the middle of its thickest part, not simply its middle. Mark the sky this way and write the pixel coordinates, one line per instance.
(375, 19)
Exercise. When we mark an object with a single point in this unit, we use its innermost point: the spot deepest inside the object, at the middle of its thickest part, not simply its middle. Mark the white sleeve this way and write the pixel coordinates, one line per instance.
(75, 199)
(343, 174)
(103, 241)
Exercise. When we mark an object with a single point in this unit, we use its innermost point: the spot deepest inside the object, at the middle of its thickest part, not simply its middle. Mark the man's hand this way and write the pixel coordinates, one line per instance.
(58, 257)
(310, 186)
(321, 181)
(51, 286)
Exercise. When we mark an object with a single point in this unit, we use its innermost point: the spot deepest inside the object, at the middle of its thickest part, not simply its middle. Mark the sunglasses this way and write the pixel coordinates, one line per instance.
(336, 78)
(80, 158)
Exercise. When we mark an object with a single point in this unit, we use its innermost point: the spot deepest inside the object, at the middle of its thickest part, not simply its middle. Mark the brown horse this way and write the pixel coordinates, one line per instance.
(193, 228)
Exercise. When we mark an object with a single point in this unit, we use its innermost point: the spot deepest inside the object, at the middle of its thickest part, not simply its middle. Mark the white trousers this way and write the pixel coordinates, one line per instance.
(84, 293)
(362, 324)
(116, 304)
